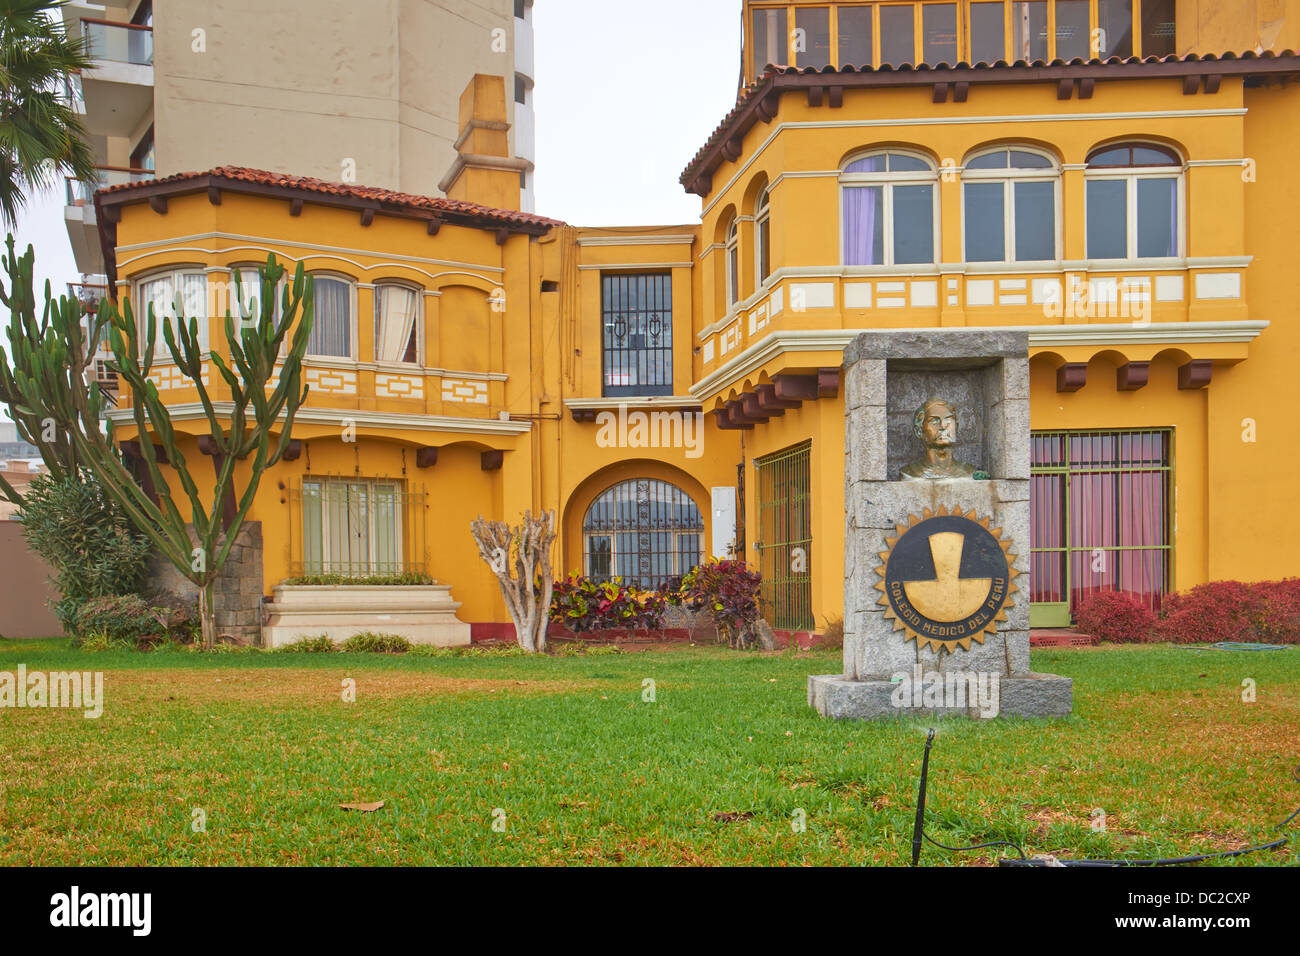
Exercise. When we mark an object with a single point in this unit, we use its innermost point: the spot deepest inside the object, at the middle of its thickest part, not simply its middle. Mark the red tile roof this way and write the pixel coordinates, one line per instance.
(231, 176)
(778, 79)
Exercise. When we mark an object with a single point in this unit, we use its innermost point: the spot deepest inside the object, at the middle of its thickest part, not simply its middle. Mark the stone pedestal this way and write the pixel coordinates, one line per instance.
(888, 671)
(423, 614)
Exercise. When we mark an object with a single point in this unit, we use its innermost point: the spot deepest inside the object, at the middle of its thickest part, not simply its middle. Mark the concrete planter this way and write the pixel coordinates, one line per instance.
(423, 614)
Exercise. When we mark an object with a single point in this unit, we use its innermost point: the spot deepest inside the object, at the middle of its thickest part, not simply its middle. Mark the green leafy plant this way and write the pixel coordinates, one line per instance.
(123, 617)
(309, 645)
(42, 379)
(370, 642)
(86, 539)
(582, 604)
(728, 591)
(405, 579)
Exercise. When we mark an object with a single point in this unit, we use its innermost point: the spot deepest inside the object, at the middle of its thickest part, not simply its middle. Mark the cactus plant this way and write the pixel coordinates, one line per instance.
(44, 384)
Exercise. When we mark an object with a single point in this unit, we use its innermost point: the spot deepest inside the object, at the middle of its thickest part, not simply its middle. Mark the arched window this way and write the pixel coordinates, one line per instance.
(644, 531)
(733, 264)
(177, 294)
(889, 209)
(1134, 202)
(1009, 198)
(763, 236)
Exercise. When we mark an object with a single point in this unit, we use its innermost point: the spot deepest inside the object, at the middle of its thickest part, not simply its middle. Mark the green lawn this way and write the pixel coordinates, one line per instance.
(586, 772)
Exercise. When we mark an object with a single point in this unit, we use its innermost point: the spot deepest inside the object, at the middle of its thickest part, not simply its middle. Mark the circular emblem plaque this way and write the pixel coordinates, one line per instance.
(947, 579)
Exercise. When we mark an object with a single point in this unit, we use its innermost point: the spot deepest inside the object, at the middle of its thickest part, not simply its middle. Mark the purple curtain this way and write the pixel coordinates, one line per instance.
(862, 225)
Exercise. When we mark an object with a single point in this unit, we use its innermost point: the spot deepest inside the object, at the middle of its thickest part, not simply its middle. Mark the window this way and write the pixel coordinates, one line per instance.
(397, 323)
(939, 33)
(1029, 30)
(733, 264)
(1133, 202)
(987, 32)
(763, 236)
(1072, 36)
(1115, 21)
(181, 294)
(888, 210)
(784, 503)
(855, 36)
(1009, 206)
(644, 531)
(331, 330)
(897, 35)
(812, 39)
(1158, 28)
(770, 42)
(1098, 493)
(352, 527)
(521, 89)
(248, 305)
(637, 333)
(521, 9)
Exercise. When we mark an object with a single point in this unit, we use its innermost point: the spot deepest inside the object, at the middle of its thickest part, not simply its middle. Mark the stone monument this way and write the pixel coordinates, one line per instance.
(936, 597)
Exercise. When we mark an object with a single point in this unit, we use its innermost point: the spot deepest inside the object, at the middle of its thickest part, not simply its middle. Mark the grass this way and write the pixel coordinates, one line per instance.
(713, 771)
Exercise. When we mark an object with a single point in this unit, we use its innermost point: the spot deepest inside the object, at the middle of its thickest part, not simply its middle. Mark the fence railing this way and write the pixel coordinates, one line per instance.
(120, 42)
(81, 192)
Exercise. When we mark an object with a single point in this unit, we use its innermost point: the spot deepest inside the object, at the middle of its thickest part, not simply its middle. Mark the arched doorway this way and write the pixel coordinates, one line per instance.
(643, 530)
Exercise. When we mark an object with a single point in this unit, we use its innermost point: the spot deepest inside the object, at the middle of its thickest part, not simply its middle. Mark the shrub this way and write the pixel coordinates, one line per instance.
(309, 645)
(87, 540)
(584, 605)
(728, 591)
(121, 617)
(1267, 612)
(833, 636)
(405, 579)
(369, 642)
(1119, 617)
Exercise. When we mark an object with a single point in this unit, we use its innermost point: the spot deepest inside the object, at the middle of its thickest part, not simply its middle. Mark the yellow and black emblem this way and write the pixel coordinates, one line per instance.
(947, 579)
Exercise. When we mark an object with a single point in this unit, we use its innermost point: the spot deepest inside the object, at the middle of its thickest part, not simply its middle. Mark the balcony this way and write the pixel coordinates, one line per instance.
(116, 95)
(79, 213)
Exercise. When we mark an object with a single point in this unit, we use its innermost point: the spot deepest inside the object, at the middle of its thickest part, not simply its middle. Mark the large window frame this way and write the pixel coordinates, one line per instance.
(348, 540)
(195, 305)
(1132, 175)
(732, 264)
(637, 335)
(888, 181)
(1009, 177)
(762, 237)
(622, 522)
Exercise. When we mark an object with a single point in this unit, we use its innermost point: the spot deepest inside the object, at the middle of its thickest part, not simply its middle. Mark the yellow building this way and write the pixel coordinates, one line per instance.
(674, 392)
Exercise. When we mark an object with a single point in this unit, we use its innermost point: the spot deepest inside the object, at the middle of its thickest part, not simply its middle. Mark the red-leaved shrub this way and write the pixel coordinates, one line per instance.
(1267, 612)
(1115, 616)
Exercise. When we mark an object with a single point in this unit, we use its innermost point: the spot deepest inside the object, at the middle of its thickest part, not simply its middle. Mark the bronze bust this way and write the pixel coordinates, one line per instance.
(935, 423)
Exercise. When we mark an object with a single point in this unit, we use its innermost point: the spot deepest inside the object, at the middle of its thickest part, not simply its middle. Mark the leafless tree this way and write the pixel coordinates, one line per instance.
(520, 557)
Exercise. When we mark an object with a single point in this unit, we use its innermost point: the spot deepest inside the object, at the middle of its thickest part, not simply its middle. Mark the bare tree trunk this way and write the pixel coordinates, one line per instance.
(526, 591)
(207, 616)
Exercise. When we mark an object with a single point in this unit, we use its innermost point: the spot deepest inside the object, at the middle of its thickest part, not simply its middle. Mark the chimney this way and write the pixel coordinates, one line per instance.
(484, 171)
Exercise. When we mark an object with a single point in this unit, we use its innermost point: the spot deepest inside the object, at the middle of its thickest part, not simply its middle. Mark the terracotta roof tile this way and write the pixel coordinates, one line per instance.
(486, 215)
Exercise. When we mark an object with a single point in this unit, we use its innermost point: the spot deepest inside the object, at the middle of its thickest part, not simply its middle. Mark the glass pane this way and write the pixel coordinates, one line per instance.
(1157, 212)
(769, 39)
(1159, 33)
(1107, 219)
(985, 222)
(812, 38)
(868, 164)
(994, 160)
(864, 229)
(854, 36)
(1153, 156)
(913, 224)
(1114, 157)
(1029, 30)
(897, 35)
(1022, 160)
(987, 35)
(1071, 29)
(1035, 221)
(1115, 19)
(764, 249)
(312, 542)
(901, 163)
(388, 556)
(939, 33)
(599, 556)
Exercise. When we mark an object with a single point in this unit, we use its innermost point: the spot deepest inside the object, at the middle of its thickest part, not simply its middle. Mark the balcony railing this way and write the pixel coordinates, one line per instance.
(120, 42)
(81, 192)
(89, 294)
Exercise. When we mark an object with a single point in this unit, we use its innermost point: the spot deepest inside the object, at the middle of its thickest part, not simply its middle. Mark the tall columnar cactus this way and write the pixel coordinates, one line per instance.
(47, 390)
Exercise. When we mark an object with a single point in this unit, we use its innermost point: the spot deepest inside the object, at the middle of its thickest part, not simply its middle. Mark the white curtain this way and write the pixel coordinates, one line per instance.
(164, 293)
(332, 318)
(394, 319)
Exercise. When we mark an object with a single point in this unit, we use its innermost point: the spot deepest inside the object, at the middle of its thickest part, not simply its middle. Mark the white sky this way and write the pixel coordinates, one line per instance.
(626, 93)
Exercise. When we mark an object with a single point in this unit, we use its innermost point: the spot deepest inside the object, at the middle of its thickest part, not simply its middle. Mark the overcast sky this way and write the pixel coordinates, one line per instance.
(626, 93)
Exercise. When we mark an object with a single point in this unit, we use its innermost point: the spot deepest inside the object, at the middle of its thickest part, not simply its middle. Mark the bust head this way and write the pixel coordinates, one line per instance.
(935, 423)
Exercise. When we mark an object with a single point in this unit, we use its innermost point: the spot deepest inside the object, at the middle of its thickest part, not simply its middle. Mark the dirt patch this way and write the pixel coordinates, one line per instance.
(305, 686)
